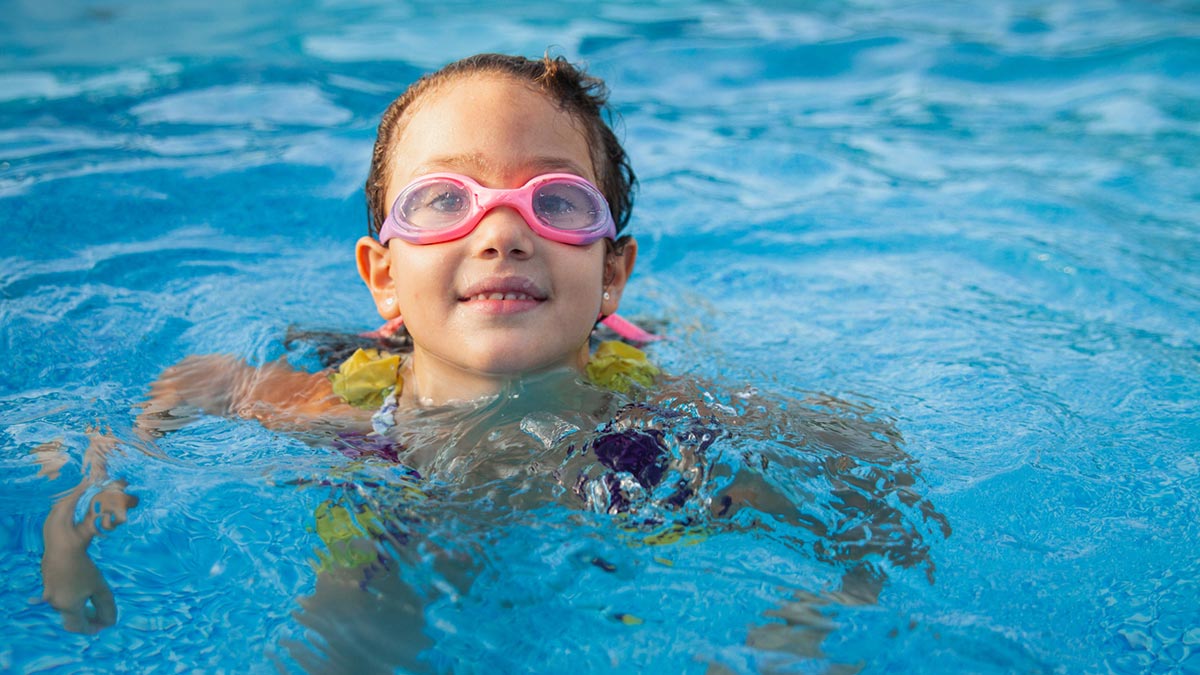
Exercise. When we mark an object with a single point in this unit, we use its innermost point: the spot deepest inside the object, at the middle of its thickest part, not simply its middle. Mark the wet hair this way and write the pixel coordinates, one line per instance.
(575, 92)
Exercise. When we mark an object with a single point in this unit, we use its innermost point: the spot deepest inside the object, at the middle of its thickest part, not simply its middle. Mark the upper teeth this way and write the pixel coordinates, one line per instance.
(502, 296)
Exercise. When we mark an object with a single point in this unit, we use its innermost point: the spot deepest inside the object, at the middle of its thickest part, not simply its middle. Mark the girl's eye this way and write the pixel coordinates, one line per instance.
(435, 206)
(553, 205)
(565, 206)
(446, 201)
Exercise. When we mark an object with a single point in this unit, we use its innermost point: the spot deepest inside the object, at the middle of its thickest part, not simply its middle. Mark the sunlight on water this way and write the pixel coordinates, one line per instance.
(927, 270)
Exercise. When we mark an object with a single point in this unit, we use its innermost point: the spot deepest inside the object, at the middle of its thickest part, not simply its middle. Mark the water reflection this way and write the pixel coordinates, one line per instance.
(557, 480)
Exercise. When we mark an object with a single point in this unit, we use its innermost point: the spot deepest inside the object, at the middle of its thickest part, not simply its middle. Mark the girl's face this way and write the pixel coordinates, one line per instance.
(501, 301)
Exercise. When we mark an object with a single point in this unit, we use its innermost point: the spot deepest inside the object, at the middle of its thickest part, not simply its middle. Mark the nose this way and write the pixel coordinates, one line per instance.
(503, 233)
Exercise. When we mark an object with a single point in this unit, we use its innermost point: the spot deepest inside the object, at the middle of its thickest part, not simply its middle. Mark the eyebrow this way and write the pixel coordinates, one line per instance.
(476, 161)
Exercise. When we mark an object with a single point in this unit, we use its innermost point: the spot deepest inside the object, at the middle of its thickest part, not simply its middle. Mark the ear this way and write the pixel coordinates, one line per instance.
(375, 267)
(618, 265)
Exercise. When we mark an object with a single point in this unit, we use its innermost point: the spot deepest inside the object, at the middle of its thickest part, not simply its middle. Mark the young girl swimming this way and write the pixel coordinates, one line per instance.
(498, 195)
(497, 200)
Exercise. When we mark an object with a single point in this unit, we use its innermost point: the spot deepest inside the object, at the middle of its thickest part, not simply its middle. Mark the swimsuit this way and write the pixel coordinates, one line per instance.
(371, 379)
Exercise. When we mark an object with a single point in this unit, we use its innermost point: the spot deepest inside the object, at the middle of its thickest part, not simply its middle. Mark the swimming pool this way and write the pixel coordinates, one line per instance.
(978, 221)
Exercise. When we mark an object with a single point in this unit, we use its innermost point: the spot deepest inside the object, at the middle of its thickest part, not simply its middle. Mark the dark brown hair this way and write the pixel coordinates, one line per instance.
(574, 91)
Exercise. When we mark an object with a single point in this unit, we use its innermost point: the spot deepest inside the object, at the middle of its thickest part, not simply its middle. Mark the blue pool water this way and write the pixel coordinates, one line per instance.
(977, 222)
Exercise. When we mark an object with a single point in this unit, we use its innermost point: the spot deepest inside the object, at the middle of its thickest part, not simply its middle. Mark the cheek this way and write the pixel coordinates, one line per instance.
(585, 270)
(419, 274)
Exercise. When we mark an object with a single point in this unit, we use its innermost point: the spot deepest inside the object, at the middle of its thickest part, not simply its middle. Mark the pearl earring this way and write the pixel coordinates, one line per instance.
(389, 301)
(607, 296)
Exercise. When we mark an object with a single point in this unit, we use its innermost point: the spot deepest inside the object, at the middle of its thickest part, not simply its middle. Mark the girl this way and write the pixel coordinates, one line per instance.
(498, 194)
(497, 197)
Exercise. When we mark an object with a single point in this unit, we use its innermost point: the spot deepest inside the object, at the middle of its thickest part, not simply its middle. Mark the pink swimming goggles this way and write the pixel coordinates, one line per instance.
(561, 207)
(442, 207)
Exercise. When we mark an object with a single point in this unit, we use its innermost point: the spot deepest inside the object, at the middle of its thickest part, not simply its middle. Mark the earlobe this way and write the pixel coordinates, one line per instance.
(375, 266)
(618, 268)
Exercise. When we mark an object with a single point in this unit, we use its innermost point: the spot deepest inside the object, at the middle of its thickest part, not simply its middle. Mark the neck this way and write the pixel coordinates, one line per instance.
(430, 380)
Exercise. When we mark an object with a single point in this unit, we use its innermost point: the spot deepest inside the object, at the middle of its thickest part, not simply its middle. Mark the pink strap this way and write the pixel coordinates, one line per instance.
(628, 329)
(386, 330)
(619, 325)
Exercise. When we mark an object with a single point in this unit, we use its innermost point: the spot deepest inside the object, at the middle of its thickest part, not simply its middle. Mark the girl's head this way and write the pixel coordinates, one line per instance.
(583, 97)
(499, 300)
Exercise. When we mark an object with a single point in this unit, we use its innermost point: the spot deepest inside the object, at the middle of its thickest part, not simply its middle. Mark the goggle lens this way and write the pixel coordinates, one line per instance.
(566, 206)
(436, 205)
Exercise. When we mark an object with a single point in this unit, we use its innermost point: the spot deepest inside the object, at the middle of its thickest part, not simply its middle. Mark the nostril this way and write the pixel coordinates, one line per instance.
(503, 232)
(515, 252)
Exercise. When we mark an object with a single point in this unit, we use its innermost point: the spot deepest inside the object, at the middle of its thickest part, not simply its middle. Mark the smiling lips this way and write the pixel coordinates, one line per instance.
(504, 295)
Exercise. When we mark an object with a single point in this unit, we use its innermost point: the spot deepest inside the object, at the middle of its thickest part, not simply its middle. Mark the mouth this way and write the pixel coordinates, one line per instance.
(498, 296)
(504, 295)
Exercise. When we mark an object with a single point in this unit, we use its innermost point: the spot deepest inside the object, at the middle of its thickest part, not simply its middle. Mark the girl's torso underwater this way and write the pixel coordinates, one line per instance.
(677, 454)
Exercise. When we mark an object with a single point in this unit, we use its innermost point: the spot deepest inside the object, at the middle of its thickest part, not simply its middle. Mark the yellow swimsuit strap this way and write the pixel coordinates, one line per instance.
(367, 377)
(619, 367)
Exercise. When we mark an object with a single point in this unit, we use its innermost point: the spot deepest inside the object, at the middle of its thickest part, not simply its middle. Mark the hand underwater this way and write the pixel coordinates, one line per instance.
(72, 581)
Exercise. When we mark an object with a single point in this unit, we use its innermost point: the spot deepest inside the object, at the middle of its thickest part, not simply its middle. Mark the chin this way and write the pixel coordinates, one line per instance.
(513, 363)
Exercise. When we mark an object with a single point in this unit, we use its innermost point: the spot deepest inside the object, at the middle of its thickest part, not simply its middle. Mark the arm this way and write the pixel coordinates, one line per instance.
(832, 476)
(829, 466)
(275, 394)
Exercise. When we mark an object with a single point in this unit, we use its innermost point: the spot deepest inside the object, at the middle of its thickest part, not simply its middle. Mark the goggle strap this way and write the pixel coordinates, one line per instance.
(387, 330)
(629, 330)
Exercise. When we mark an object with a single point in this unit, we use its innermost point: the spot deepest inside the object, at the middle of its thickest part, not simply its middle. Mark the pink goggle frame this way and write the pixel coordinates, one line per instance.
(442, 207)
